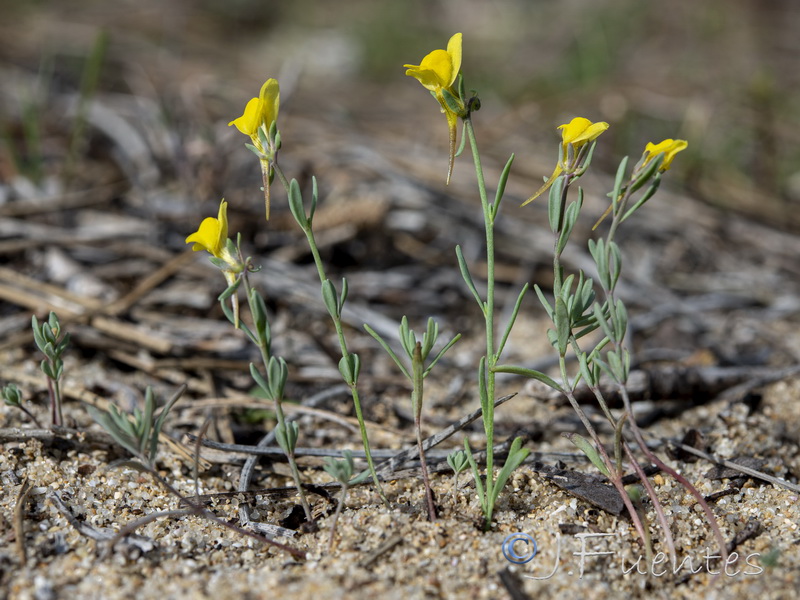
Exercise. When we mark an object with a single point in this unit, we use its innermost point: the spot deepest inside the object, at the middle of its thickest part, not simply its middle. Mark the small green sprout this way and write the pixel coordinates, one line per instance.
(417, 352)
(770, 559)
(52, 342)
(458, 461)
(13, 397)
(137, 433)
(342, 471)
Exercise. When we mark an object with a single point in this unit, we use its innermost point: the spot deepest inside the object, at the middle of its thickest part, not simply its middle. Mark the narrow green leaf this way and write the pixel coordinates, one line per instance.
(229, 291)
(441, 353)
(296, 205)
(346, 369)
(476, 475)
(621, 322)
(343, 295)
(616, 366)
(462, 265)
(407, 338)
(329, 298)
(554, 204)
(623, 166)
(281, 438)
(260, 381)
(543, 300)
(512, 319)
(314, 199)
(515, 457)
(645, 197)
(649, 171)
(429, 337)
(598, 252)
(586, 330)
(259, 310)
(482, 391)
(585, 371)
(501, 187)
(533, 374)
(602, 322)
(388, 349)
(615, 266)
(563, 326)
(590, 451)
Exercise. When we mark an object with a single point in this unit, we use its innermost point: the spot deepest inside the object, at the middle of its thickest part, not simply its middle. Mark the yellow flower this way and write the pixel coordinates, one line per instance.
(438, 72)
(212, 235)
(669, 147)
(577, 133)
(440, 68)
(260, 111)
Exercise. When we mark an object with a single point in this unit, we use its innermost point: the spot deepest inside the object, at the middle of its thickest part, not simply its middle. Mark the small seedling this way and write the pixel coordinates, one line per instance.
(458, 461)
(52, 342)
(342, 471)
(137, 433)
(417, 352)
(13, 397)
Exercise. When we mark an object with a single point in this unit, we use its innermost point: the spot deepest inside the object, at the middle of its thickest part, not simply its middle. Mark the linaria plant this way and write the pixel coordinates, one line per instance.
(259, 122)
(417, 352)
(439, 73)
(52, 342)
(458, 461)
(576, 311)
(342, 471)
(13, 397)
(212, 236)
(137, 433)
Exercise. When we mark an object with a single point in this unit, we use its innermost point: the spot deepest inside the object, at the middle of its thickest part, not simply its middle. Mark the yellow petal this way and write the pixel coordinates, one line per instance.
(439, 69)
(571, 130)
(222, 217)
(439, 64)
(260, 111)
(426, 77)
(669, 147)
(250, 120)
(212, 234)
(590, 133)
(581, 130)
(454, 50)
(269, 98)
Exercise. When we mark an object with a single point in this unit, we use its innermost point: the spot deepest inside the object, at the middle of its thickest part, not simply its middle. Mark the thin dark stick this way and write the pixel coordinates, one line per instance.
(19, 519)
(398, 459)
(249, 466)
(277, 452)
(735, 466)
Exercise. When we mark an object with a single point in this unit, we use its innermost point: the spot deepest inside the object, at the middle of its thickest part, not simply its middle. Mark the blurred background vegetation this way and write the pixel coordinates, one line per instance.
(723, 74)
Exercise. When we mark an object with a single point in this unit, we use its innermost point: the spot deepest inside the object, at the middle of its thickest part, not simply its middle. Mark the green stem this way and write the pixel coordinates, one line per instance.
(265, 356)
(558, 270)
(337, 323)
(488, 313)
(416, 402)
